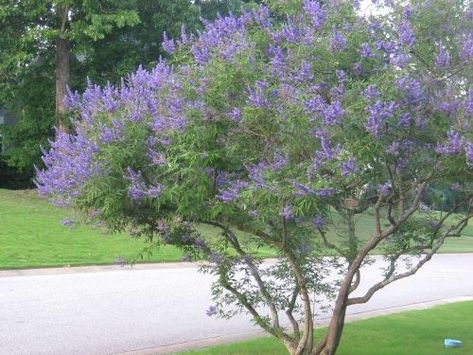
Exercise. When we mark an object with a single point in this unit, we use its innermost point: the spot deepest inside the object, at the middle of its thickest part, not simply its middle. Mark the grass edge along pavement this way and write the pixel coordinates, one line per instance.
(33, 235)
(414, 332)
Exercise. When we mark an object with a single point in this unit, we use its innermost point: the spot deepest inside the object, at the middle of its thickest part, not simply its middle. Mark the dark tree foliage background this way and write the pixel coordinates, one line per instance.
(104, 48)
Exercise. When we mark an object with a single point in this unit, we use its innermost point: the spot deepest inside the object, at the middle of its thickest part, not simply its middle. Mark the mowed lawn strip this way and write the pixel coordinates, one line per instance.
(408, 333)
(32, 235)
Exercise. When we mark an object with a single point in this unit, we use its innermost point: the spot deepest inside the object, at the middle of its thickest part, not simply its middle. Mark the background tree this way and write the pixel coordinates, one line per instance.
(285, 130)
(37, 41)
(47, 45)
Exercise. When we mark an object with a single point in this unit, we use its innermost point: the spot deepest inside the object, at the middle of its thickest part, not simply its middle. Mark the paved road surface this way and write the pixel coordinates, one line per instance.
(109, 310)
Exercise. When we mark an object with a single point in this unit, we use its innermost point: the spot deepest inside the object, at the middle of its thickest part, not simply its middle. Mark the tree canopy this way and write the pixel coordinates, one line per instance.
(286, 122)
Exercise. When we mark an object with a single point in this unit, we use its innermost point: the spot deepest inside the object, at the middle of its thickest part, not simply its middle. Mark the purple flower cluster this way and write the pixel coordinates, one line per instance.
(319, 222)
(232, 191)
(404, 120)
(291, 32)
(69, 165)
(412, 88)
(256, 174)
(338, 42)
(139, 189)
(466, 52)
(371, 92)
(358, 69)
(348, 167)
(278, 60)
(449, 108)
(262, 17)
(211, 311)
(156, 158)
(137, 99)
(302, 189)
(366, 51)
(331, 114)
(305, 72)
(325, 192)
(287, 212)
(454, 145)
(279, 161)
(316, 12)
(109, 134)
(235, 115)
(407, 36)
(327, 152)
(67, 222)
(393, 148)
(378, 114)
(256, 95)
(442, 59)
(168, 44)
(468, 103)
(385, 189)
(469, 154)
(226, 37)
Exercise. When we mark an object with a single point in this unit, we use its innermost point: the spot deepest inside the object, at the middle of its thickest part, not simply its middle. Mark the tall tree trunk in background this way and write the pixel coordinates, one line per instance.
(62, 69)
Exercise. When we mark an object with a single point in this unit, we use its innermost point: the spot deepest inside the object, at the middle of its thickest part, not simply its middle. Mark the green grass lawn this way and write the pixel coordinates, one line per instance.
(32, 235)
(409, 333)
(365, 225)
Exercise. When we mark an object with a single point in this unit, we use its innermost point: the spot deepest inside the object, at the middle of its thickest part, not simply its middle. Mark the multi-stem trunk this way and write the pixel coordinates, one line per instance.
(329, 344)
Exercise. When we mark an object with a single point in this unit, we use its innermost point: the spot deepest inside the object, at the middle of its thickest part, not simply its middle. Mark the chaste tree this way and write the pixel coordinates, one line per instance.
(283, 127)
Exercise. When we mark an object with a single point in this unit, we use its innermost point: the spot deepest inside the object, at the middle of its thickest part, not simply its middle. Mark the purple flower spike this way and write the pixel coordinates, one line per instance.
(168, 44)
(442, 60)
(211, 311)
(467, 48)
(366, 52)
(371, 92)
(235, 115)
(357, 68)
(404, 120)
(454, 145)
(348, 167)
(319, 222)
(232, 192)
(316, 12)
(468, 103)
(325, 192)
(469, 154)
(407, 36)
(385, 189)
(338, 42)
(287, 212)
(67, 222)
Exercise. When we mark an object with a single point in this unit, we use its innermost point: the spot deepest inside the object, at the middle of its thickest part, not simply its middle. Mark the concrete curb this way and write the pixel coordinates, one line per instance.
(203, 343)
(102, 268)
(95, 268)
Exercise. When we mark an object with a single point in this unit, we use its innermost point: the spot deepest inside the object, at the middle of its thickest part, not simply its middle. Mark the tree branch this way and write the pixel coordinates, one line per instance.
(355, 284)
(389, 276)
(290, 309)
(232, 238)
